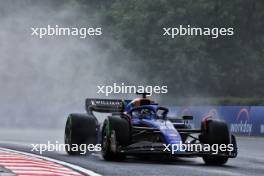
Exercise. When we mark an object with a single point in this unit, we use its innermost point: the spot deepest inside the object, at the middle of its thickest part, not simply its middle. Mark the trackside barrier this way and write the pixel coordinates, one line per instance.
(242, 120)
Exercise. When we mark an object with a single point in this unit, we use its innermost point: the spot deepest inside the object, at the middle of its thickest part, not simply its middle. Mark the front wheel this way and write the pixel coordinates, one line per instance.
(215, 132)
(115, 134)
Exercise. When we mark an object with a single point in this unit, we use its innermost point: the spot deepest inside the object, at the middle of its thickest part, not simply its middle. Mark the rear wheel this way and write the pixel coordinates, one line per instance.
(215, 132)
(80, 130)
(115, 134)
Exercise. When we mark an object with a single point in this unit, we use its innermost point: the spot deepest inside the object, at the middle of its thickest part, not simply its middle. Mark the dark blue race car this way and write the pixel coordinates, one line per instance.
(142, 127)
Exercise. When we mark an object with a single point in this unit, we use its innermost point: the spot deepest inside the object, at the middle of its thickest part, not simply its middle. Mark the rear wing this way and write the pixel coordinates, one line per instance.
(104, 105)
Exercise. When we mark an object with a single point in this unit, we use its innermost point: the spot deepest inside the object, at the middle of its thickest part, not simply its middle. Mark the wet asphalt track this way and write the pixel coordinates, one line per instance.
(250, 160)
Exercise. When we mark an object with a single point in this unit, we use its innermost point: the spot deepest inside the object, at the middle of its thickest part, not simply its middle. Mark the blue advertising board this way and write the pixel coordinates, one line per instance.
(242, 120)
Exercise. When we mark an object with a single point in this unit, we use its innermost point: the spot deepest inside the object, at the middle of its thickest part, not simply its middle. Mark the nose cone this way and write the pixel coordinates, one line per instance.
(171, 135)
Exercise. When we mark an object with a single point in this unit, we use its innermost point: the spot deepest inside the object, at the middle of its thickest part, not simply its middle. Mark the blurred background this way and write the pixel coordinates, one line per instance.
(42, 80)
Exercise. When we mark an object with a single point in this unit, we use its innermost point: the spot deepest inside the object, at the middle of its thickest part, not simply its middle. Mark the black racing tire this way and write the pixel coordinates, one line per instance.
(115, 128)
(80, 130)
(217, 132)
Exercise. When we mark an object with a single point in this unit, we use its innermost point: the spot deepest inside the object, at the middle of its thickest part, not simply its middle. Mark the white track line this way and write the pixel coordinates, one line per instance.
(75, 167)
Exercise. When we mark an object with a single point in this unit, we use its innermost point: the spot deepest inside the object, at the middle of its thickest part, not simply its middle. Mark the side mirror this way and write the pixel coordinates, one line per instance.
(162, 112)
(187, 117)
(164, 116)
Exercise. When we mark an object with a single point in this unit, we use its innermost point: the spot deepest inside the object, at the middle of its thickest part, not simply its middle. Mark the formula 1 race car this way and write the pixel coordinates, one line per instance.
(142, 127)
